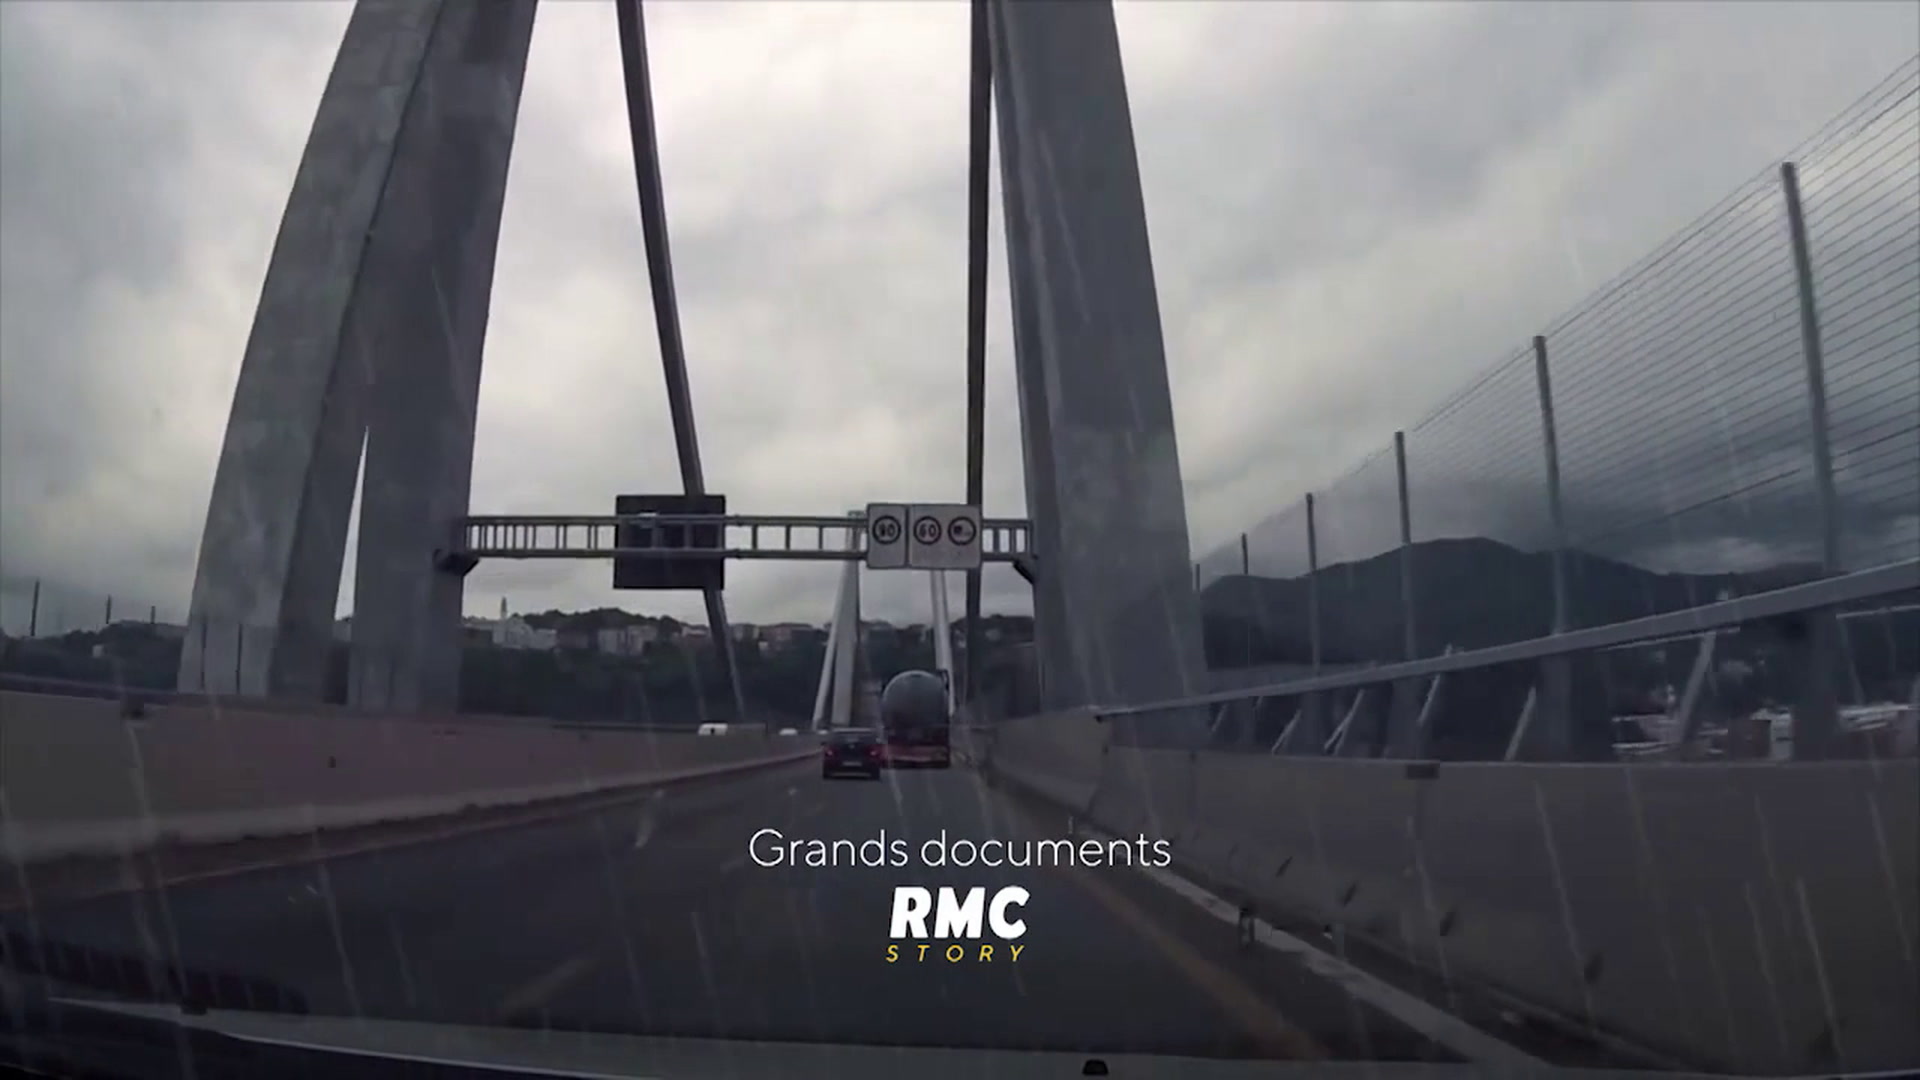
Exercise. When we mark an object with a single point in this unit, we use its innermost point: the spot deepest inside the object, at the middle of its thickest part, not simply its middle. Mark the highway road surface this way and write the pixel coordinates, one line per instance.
(651, 917)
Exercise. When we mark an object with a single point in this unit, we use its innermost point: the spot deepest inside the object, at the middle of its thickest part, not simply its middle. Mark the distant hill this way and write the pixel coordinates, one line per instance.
(1469, 593)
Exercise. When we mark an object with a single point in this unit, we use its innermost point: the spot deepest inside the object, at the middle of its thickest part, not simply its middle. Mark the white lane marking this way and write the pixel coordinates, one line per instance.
(1437, 1024)
(649, 820)
(245, 1029)
(540, 990)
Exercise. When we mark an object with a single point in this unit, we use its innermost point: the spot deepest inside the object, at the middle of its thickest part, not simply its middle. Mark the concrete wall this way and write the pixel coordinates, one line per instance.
(77, 778)
(1755, 917)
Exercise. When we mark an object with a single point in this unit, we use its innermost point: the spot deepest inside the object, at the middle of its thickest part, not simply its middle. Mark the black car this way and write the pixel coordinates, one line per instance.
(851, 750)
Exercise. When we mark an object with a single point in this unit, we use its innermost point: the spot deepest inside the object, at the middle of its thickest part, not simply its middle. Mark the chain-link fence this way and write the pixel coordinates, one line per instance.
(1738, 412)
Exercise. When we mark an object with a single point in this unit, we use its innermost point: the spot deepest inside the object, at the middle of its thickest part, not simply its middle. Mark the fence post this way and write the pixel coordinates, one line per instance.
(1409, 639)
(1312, 708)
(1552, 716)
(1253, 598)
(1403, 736)
(1556, 512)
(1816, 710)
(1313, 588)
(1811, 351)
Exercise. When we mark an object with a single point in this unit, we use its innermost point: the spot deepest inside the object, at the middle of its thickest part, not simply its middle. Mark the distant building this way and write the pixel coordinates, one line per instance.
(626, 640)
(515, 632)
(781, 634)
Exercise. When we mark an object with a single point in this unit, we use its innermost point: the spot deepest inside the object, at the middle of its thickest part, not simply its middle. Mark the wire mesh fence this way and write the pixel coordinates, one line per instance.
(1357, 526)
(1860, 181)
(1737, 412)
(1477, 478)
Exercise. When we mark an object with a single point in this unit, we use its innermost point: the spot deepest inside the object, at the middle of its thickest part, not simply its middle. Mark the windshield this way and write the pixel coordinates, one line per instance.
(1212, 533)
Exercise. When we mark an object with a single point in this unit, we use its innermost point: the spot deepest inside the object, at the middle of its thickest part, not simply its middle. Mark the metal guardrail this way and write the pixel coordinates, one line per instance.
(767, 536)
(1792, 600)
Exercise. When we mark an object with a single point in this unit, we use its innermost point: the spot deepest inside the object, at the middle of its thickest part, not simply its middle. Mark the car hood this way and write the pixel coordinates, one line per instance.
(520, 1051)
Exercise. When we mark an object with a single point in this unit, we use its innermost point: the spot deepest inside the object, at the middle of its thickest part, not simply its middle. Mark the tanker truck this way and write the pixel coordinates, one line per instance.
(915, 725)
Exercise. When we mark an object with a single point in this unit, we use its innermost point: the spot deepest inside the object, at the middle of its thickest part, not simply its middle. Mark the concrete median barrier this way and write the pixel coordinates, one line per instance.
(1754, 917)
(1149, 792)
(1058, 756)
(1747, 917)
(1329, 841)
(79, 778)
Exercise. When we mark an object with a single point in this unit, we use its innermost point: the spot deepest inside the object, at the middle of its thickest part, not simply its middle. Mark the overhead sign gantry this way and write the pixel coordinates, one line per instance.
(683, 542)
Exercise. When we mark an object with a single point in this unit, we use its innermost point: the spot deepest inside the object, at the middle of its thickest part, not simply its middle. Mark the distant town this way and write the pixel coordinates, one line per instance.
(615, 632)
(605, 665)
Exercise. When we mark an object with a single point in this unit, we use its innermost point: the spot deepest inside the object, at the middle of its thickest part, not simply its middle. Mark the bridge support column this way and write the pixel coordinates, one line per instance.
(429, 276)
(268, 578)
(1116, 618)
(381, 274)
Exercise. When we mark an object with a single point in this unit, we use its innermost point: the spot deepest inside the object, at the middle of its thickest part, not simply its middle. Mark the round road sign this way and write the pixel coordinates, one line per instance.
(885, 529)
(962, 531)
(927, 530)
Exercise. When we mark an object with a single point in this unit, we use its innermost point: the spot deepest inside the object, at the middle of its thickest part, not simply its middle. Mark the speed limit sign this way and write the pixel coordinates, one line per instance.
(923, 536)
(886, 536)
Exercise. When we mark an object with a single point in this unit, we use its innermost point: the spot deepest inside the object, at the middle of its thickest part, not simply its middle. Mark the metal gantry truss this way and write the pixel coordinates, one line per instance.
(819, 538)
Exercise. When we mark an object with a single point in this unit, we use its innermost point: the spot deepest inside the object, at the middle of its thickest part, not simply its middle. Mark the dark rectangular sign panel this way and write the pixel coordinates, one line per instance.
(680, 572)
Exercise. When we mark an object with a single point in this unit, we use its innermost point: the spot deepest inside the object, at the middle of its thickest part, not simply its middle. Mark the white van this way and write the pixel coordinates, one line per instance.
(711, 729)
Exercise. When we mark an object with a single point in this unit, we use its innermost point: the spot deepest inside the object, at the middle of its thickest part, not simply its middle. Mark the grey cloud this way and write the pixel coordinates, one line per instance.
(1390, 119)
(123, 158)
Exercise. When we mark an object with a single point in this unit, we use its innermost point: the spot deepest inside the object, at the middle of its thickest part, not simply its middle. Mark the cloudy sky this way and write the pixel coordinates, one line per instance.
(1354, 208)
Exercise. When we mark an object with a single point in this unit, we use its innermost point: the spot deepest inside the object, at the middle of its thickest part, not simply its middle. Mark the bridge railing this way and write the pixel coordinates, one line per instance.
(1750, 677)
(1734, 414)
